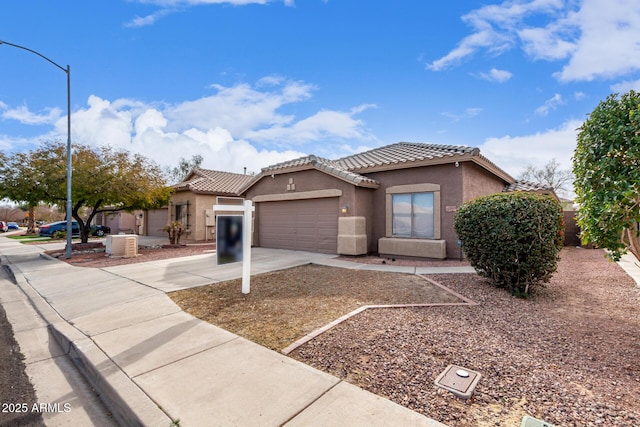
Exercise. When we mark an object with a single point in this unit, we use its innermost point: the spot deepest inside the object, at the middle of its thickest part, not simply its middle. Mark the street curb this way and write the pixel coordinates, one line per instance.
(128, 403)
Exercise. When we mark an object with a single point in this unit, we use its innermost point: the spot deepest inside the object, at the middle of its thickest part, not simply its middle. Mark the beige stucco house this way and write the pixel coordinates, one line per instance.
(398, 200)
(193, 199)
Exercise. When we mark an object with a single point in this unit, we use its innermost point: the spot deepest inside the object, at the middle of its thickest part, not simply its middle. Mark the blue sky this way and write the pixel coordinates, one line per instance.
(248, 83)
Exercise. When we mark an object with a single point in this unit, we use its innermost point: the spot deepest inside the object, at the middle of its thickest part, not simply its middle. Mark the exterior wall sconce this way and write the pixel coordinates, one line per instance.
(344, 209)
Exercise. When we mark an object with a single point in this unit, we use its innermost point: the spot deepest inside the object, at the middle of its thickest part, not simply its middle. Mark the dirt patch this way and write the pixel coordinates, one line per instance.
(285, 305)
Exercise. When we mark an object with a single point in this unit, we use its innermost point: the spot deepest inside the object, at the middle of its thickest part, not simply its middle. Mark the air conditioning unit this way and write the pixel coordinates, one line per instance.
(122, 245)
(131, 246)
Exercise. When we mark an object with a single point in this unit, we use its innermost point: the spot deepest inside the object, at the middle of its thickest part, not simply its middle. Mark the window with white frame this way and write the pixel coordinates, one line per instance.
(412, 215)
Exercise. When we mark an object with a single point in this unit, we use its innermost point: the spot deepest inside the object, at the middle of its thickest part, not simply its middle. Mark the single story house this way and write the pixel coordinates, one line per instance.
(397, 200)
(121, 221)
(192, 201)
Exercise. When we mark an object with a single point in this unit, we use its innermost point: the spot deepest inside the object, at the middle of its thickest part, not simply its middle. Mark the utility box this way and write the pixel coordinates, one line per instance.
(122, 245)
(459, 381)
(528, 421)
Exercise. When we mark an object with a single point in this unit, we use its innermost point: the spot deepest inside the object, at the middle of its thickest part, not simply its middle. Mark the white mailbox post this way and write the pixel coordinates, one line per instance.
(247, 210)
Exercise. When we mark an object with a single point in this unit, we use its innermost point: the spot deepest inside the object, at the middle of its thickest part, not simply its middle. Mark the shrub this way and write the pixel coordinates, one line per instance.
(513, 239)
(175, 229)
(59, 234)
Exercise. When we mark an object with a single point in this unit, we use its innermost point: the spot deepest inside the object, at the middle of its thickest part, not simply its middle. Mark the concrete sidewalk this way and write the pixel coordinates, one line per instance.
(152, 363)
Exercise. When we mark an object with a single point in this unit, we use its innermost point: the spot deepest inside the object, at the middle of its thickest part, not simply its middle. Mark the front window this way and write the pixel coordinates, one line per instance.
(182, 214)
(413, 215)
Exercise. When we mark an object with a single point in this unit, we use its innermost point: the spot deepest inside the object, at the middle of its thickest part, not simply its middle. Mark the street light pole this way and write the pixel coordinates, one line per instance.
(67, 71)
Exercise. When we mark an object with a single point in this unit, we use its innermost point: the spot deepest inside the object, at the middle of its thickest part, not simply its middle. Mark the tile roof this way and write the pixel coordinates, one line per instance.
(527, 186)
(398, 155)
(329, 166)
(403, 152)
(213, 182)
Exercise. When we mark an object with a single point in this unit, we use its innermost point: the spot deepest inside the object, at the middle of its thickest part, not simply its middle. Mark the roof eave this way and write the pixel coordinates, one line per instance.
(487, 164)
(309, 166)
(430, 161)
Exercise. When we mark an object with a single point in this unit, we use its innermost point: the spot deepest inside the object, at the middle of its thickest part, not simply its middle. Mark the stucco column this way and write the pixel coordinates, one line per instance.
(352, 236)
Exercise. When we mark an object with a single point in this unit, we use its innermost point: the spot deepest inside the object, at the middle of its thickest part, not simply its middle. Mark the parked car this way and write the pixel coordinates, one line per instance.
(3, 226)
(13, 226)
(100, 230)
(47, 230)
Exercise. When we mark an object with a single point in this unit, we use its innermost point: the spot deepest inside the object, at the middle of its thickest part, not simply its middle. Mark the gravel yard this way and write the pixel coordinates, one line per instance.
(568, 355)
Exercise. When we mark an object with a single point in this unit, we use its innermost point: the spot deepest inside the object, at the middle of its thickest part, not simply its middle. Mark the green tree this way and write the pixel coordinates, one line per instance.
(178, 173)
(606, 165)
(20, 181)
(103, 180)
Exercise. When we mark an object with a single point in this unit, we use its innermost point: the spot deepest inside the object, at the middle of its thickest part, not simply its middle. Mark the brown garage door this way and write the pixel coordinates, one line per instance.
(156, 220)
(303, 225)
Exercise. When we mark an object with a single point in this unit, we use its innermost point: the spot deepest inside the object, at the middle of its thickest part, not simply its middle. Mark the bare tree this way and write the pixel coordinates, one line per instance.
(9, 213)
(551, 174)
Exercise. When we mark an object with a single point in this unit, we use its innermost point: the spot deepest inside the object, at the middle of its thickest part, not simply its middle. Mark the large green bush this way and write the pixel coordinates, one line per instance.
(513, 239)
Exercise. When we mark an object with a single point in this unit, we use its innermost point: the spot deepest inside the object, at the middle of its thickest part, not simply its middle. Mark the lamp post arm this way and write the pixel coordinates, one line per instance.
(68, 249)
(66, 70)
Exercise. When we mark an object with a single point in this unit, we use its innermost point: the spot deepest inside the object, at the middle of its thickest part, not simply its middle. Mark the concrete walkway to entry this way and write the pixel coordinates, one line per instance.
(153, 363)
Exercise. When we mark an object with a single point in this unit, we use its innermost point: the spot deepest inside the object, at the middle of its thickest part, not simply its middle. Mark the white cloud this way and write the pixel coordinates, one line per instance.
(467, 114)
(626, 86)
(101, 123)
(548, 43)
(143, 21)
(608, 45)
(173, 6)
(550, 104)
(514, 153)
(496, 75)
(597, 39)
(323, 124)
(495, 29)
(23, 115)
(11, 143)
(486, 38)
(239, 108)
(237, 127)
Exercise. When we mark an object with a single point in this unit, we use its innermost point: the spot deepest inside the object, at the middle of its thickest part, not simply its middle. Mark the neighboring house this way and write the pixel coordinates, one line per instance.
(123, 222)
(194, 197)
(153, 221)
(533, 187)
(120, 221)
(397, 200)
